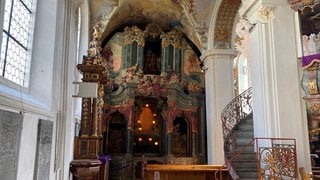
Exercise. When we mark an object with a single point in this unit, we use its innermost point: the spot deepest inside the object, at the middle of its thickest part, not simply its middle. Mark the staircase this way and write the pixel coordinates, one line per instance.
(245, 164)
(276, 157)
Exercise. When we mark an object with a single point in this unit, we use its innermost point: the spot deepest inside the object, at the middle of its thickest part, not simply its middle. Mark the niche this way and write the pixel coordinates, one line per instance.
(116, 136)
(148, 127)
(181, 137)
(152, 57)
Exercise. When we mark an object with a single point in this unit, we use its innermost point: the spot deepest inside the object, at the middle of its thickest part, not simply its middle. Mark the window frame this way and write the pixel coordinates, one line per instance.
(22, 81)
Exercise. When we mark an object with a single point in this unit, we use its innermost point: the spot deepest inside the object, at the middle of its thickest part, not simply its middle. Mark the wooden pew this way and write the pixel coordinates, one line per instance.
(186, 172)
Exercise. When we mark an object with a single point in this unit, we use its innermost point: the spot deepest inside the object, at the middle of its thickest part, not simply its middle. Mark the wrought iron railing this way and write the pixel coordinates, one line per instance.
(276, 158)
(238, 109)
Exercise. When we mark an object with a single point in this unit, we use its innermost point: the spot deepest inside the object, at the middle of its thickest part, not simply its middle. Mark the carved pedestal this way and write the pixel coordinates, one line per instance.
(314, 120)
(85, 169)
(87, 147)
(313, 96)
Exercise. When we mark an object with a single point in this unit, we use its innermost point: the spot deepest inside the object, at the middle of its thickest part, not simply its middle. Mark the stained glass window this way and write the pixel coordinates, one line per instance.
(15, 44)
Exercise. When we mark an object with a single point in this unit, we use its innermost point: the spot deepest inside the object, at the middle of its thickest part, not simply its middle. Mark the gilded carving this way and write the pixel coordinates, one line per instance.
(153, 30)
(302, 4)
(312, 87)
(134, 34)
(315, 109)
(86, 116)
(94, 51)
(313, 73)
(278, 162)
(171, 38)
(100, 103)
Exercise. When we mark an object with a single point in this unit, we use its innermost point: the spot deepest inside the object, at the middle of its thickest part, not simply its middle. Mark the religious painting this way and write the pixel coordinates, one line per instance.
(112, 52)
(180, 140)
(191, 62)
(152, 60)
(117, 134)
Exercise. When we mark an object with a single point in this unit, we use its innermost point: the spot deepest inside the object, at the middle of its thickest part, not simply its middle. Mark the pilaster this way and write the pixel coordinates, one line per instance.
(277, 100)
(219, 91)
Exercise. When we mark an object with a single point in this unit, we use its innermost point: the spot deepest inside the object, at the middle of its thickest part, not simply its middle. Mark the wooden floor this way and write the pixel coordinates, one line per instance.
(186, 172)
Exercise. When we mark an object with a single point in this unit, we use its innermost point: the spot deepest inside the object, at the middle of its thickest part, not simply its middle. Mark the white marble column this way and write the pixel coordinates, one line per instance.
(219, 92)
(278, 107)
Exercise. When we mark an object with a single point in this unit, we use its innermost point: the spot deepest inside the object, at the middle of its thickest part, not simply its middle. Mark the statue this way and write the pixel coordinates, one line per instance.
(94, 51)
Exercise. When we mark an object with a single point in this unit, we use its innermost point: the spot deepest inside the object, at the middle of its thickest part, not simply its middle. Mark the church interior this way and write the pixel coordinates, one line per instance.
(159, 89)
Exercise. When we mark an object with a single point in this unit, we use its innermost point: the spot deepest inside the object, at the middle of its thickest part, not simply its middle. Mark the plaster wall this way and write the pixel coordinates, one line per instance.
(278, 106)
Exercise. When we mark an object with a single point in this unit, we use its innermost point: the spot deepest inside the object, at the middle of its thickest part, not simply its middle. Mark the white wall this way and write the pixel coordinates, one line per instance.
(278, 105)
(49, 95)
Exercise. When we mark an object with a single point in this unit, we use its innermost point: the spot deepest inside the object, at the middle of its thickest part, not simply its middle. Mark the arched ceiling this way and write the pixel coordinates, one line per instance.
(191, 17)
(224, 23)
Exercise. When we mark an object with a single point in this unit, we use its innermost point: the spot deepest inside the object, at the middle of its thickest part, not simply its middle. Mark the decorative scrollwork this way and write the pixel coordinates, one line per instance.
(238, 109)
(278, 161)
(134, 34)
(171, 38)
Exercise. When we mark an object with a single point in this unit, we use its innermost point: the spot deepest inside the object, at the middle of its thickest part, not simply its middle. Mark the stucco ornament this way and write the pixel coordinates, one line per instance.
(77, 3)
(265, 14)
(243, 28)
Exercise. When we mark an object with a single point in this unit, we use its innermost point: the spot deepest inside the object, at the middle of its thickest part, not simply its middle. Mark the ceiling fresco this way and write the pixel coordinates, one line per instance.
(191, 17)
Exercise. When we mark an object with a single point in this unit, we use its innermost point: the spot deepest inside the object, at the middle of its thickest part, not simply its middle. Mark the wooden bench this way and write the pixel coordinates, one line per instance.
(186, 172)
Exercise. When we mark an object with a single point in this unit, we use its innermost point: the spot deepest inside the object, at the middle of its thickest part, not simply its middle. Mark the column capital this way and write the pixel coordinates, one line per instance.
(260, 11)
(78, 3)
(218, 52)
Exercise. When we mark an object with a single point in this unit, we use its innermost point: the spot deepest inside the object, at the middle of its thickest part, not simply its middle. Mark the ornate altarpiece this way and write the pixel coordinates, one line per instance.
(150, 101)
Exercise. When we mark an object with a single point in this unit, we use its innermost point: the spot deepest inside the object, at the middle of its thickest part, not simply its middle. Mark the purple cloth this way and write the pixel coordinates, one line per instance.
(104, 158)
(308, 60)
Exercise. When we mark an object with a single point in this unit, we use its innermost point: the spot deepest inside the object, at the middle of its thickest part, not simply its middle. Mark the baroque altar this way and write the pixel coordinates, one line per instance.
(150, 101)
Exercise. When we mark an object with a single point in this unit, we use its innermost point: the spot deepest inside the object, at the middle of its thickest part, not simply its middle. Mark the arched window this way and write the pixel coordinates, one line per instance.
(16, 40)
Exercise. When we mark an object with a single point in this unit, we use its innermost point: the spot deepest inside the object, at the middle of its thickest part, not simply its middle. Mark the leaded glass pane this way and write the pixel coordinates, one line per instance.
(7, 11)
(16, 35)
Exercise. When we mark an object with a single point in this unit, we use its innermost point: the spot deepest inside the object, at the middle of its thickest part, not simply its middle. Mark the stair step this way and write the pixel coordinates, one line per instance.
(246, 148)
(246, 156)
(247, 172)
(243, 141)
(245, 127)
(249, 164)
(241, 134)
(245, 163)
